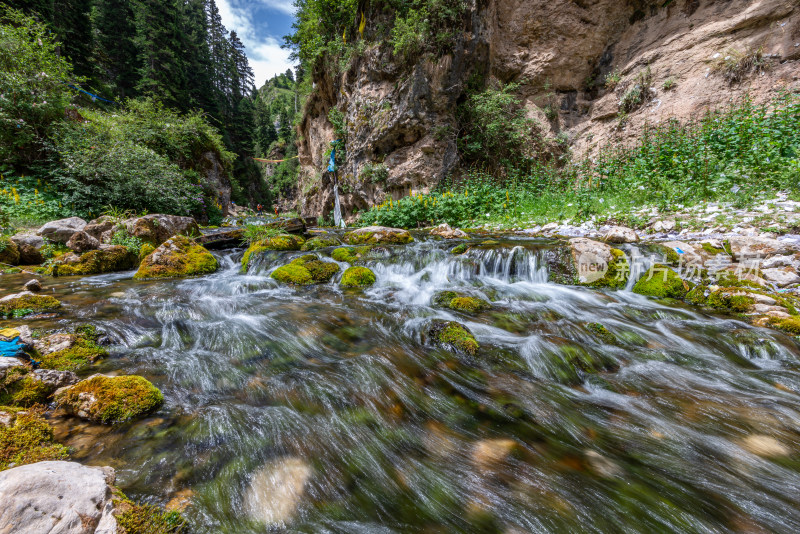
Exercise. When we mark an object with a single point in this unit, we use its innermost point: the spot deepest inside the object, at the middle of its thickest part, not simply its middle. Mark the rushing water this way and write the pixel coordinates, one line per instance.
(694, 427)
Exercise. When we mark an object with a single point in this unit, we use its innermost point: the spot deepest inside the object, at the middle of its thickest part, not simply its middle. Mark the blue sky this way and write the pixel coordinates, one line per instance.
(261, 25)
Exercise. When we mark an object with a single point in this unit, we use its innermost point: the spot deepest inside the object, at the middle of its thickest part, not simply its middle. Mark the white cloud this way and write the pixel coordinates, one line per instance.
(264, 51)
(284, 6)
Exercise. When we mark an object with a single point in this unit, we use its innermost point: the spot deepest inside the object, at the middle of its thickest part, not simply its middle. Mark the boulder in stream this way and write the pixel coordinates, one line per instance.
(460, 302)
(9, 252)
(108, 259)
(445, 231)
(663, 283)
(178, 257)
(321, 241)
(372, 235)
(29, 246)
(358, 276)
(81, 242)
(282, 242)
(598, 265)
(110, 399)
(306, 270)
(453, 336)
(157, 228)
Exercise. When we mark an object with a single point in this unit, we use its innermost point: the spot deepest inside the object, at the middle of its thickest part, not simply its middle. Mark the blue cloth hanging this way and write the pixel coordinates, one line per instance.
(10, 349)
(332, 163)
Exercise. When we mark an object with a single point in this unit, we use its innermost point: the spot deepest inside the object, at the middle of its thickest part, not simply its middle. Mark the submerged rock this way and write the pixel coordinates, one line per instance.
(454, 336)
(489, 455)
(178, 257)
(34, 286)
(62, 230)
(277, 489)
(766, 446)
(110, 399)
(58, 497)
(357, 276)
(108, 259)
(372, 235)
(26, 303)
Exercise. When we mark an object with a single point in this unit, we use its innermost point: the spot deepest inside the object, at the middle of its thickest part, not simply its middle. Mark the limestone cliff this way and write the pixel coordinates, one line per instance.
(683, 56)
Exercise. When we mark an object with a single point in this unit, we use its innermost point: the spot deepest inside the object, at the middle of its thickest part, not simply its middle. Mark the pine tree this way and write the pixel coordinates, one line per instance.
(115, 53)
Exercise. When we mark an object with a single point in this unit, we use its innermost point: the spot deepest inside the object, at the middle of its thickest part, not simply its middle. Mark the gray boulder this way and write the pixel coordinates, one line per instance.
(57, 497)
(61, 231)
(29, 246)
(82, 242)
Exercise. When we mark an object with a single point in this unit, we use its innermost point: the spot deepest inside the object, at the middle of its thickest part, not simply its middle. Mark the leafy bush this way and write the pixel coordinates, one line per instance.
(131, 242)
(27, 199)
(374, 172)
(33, 87)
(496, 132)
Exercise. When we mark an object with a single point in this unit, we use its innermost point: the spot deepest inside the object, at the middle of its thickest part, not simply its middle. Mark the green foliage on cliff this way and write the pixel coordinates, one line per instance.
(732, 155)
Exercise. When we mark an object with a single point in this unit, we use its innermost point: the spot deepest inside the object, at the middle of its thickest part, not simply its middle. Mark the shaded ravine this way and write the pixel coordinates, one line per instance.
(675, 421)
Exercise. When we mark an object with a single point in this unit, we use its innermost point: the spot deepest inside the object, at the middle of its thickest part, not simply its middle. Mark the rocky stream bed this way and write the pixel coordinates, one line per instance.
(380, 381)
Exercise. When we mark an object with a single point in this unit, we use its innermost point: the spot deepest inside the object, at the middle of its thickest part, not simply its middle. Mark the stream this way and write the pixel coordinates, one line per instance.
(691, 425)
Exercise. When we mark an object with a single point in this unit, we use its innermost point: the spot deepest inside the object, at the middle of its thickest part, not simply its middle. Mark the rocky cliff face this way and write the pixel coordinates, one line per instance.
(682, 56)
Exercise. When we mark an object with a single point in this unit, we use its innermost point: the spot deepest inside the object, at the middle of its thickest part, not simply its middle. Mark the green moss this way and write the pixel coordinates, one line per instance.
(602, 333)
(306, 270)
(117, 258)
(316, 243)
(28, 304)
(711, 249)
(9, 251)
(351, 254)
(136, 518)
(460, 249)
(722, 299)
(322, 271)
(357, 277)
(80, 354)
(145, 250)
(790, 325)
(370, 238)
(29, 439)
(453, 336)
(190, 259)
(292, 274)
(490, 243)
(469, 304)
(118, 398)
(670, 254)
(697, 296)
(729, 279)
(443, 299)
(665, 284)
(282, 242)
(20, 388)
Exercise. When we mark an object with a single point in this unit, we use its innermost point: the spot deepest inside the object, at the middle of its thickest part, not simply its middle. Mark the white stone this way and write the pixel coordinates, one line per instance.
(57, 498)
(621, 234)
(778, 261)
(780, 277)
(61, 231)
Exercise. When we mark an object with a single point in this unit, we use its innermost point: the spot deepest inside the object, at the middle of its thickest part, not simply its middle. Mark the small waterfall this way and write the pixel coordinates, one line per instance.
(337, 208)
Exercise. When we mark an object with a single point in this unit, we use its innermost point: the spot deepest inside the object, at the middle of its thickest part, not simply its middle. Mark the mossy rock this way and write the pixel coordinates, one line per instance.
(145, 250)
(358, 277)
(453, 336)
(177, 257)
(561, 266)
(20, 388)
(602, 333)
(458, 250)
(28, 439)
(136, 518)
(616, 277)
(460, 302)
(9, 251)
(670, 254)
(306, 270)
(282, 242)
(790, 325)
(83, 351)
(111, 399)
(666, 284)
(107, 260)
(373, 235)
(27, 304)
(316, 243)
(350, 254)
(727, 299)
